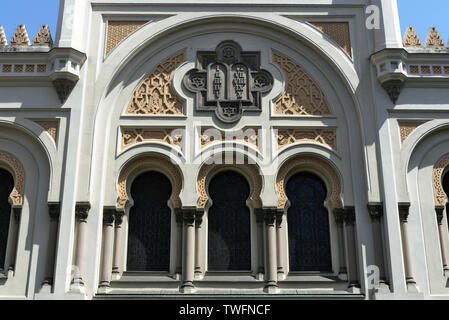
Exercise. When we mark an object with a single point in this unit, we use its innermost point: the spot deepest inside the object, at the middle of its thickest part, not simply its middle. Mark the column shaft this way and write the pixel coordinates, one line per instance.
(117, 268)
(439, 211)
(349, 216)
(271, 271)
(188, 265)
(339, 219)
(403, 215)
(108, 247)
(81, 214)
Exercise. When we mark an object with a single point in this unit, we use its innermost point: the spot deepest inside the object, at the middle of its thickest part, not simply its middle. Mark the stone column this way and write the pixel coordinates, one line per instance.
(54, 210)
(81, 214)
(260, 247)
(279, 249)
(376, 211)
(108, 249)
(188, 254)
(179, 249)
(440, 215)
(271, 270)
(199, 241)
(117, 267)
(11, 253)
(349, 218)
(403, 217)
(339, 219)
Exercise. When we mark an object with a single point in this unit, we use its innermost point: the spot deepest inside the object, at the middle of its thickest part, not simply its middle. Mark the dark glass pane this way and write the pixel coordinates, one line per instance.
(149, 223)
(229, 240)
(308, 224)
(446, 183)
(6, 186)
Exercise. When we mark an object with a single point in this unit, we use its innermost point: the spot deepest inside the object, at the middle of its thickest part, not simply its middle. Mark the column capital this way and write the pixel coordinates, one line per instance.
(199, 214)
(270, 215)
(376, 210)
(118, 215)
(54, 210)
(403, 211)
(439, 210)
(339, 216)
(349, 215)
(82, 210)
(109, 215)
(189, 215)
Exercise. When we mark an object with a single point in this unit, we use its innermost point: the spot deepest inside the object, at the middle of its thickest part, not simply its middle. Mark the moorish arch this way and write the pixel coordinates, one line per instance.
(13, 165)
(438, 173)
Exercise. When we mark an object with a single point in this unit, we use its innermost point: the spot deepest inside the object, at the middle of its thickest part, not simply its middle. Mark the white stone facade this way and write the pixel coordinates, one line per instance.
(377, 148)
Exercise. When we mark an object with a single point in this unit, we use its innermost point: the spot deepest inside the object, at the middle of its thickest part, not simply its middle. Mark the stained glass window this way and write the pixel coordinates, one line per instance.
(6, 186)
(149, 223)
(308, 224)
(229, 234)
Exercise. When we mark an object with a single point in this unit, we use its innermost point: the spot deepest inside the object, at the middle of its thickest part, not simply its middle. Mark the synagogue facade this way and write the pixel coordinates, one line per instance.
(248, 149)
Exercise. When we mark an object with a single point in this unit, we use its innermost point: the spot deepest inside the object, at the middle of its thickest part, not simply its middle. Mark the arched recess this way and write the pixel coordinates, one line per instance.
(316, 165)
(11, 164)
(147, 163)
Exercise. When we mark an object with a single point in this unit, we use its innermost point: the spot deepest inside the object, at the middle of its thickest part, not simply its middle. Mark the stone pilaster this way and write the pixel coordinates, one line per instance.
(353, 277)
(403, 218)
(376, 212)
(81, 214)
(54, 211)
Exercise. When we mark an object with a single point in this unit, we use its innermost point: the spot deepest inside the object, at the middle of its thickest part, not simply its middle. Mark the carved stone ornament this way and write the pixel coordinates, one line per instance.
(411, 38)
(393, 88)
(228, 81)
(10, 163)
(20, 37)
(3, 41)
(319, 164)
(434, 39)
(437, 179)
(43, 37)
(131, 136)
(211, 135)
(50, 126)
(117, 31)
(337, 31)
(63, 88)
(406, 127)
(327, 137)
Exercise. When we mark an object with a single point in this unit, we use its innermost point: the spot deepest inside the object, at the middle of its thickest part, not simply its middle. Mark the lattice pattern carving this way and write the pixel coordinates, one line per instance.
(437, 179)
(131, 136)
(337, 31)
(411, 38)
(237, 136)
(3, 41)
(251, 169)
(317, 163)
(302, 95)
(15, 167)
(43, 37)
(20, 37)
(434, 39)
(51, 126)
(407, 127)
(151, 162)
(117, 31)
(155, 94)
(328, 137)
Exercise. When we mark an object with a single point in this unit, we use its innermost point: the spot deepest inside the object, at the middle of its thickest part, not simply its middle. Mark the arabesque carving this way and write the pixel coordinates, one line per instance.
(437, 179)
(411, 38)
(15, 167)
(3, 41)
(117, 31)
(20, 37)
(43, 37)
(337, 31)
(310, 161)
(155, 94)
(406, 127)
(251, 169)
(131, 136)
(327, 137)
(434, 39)
(152, 163)
(302, 95)
(51, 126)
(249, 136)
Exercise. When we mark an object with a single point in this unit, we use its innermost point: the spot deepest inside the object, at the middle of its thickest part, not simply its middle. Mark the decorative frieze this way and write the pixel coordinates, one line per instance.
(327, 137)
(411, 38)
(434, 39)
(131, 136)
(337, 31)
(302, 95)
(406, 127)
(211, 135)
(314, 162)
(155, 94)
(117, 31)
(11, 163)
(20, 37)
(50, 126)
(437, 180)
(43, 37)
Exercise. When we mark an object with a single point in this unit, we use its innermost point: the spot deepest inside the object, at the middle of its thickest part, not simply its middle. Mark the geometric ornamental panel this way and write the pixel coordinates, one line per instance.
(308, 224)
(6, 186)
(229, 238)
(337, 31)
(326, 137)
(149, 223)
(228, 81)
(302, 95)
(439, 194)
(117, 31)
(131, 136)
(155, 94)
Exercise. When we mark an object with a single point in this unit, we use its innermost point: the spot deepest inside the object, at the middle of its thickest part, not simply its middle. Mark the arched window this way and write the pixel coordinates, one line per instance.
(6, 187)
(229, 241)
(149, 223)
(308, 224)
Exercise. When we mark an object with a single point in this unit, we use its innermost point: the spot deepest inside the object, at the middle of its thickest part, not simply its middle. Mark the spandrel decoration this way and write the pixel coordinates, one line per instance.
(228, 81)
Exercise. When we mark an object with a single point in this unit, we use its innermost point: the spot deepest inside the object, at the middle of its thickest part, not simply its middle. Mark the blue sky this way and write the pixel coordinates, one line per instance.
(422, 14)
